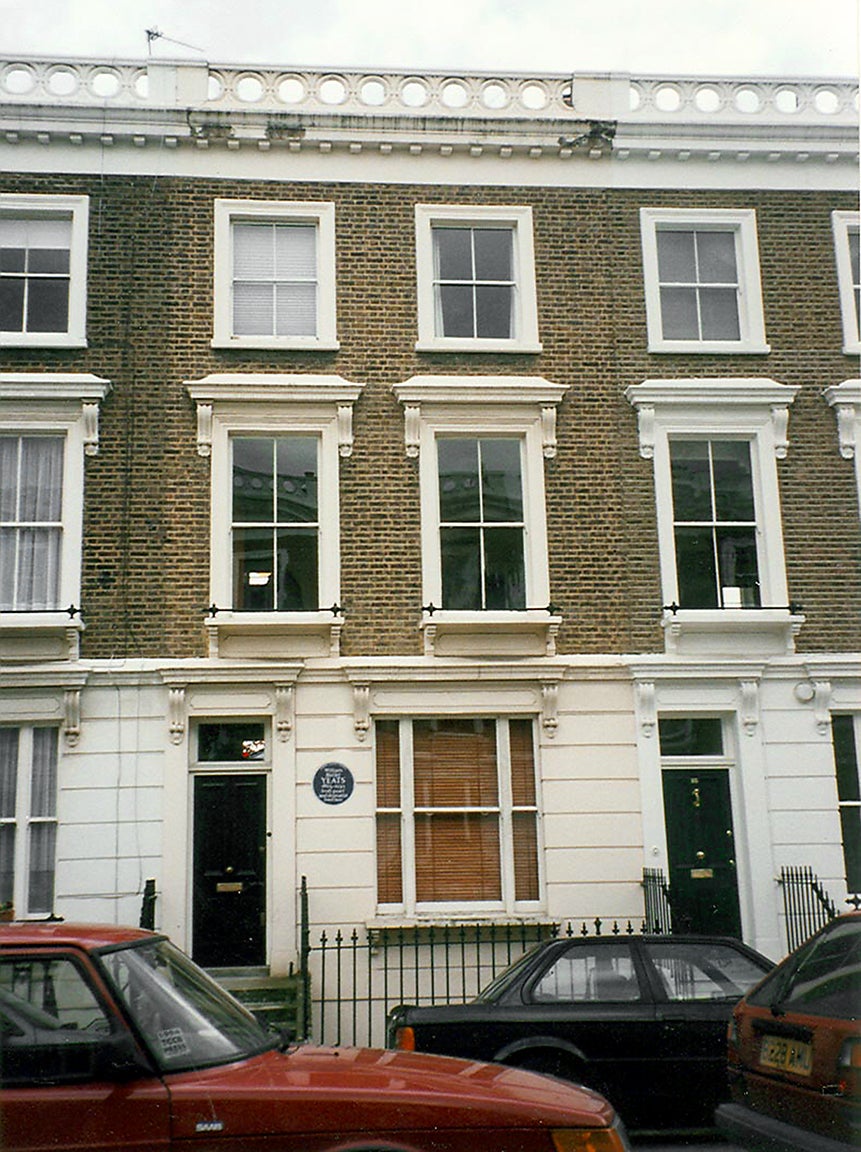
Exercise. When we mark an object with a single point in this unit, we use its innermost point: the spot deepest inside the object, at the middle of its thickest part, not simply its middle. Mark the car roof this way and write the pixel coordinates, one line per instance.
(57, 932)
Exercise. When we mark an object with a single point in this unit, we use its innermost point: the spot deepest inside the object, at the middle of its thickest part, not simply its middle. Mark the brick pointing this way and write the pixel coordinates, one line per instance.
(146, 546)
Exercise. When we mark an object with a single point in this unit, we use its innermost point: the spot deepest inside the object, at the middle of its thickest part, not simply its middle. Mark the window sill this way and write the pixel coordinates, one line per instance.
(292, 344)
(852, 348)
(730, 631)
(41, 340)
(710, 347)
(464, 344)
(30, 637)
(273, 635)
(486, 925)
(528, 633)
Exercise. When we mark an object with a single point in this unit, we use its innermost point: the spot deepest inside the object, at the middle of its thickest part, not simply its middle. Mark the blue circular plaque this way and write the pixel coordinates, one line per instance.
(333, 783)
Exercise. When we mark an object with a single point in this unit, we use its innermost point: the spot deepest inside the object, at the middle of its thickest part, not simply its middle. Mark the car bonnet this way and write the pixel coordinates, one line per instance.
(316, 1089)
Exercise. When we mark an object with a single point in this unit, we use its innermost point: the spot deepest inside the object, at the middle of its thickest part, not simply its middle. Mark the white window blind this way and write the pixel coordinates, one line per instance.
(274, 279)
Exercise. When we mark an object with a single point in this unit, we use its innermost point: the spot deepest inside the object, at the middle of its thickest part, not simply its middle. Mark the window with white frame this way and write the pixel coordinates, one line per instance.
(715, 446)
(476, 279)
(714, 523)
(846, 252)
(48, 425)
(481, 443)
(31, 521)
(702, 284)
(275, 442)
(274, 274)
(28, 818)
(457, 814)
(275, 523)
(43, 271)
(846, 735)
(481, 522)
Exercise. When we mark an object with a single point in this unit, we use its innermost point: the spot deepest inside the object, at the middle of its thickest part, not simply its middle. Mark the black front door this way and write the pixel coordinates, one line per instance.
(703, 884)
(229, 904)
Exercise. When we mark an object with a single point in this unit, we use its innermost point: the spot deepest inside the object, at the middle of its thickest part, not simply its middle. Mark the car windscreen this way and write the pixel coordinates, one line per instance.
(822, 979)
(187, 1020)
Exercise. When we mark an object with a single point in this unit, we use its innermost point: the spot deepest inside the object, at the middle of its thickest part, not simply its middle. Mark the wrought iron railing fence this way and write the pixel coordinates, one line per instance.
(806, 904)
(353, 977)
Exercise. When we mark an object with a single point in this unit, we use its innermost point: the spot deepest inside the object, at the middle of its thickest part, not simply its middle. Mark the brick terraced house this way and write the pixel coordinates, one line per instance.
(442, 487)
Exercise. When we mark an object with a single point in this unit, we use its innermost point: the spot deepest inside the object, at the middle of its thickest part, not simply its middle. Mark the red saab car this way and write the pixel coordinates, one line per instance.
(111, 1038)
(795, 1050)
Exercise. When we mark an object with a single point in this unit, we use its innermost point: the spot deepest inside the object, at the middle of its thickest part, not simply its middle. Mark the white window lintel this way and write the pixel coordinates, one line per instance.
(714, 405)
(329, 397)
(460, 396)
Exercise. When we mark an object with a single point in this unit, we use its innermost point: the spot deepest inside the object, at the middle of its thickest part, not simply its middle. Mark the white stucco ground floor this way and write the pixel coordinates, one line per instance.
(417, 791)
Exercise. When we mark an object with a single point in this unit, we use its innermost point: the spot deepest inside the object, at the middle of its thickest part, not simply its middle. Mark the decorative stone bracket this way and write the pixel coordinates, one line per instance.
(749, 706)
(647, 708)
(845, 399)
(72, 716)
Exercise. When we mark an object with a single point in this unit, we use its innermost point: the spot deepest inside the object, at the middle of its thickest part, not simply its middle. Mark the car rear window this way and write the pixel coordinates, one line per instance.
(822, 979)
(707, 971)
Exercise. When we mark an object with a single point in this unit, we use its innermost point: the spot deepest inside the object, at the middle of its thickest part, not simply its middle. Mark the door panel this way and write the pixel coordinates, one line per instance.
(54, 1032)
(700, 842)
(228, 915)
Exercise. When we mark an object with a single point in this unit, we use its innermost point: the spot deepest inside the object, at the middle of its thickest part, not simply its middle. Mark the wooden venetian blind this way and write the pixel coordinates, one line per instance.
(524, 818)
(457, 837)
(389, 859)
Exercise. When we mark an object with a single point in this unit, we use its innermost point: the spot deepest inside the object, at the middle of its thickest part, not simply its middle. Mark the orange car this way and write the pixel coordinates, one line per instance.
(795, 1050)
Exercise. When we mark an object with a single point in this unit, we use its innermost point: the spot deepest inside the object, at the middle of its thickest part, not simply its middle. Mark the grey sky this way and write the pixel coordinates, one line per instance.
(696, 37)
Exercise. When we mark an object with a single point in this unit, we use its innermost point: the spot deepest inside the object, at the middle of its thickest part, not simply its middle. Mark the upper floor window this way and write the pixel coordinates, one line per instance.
(457, 814)
(702, 284)
(43, 271)
(481, 522)
(275, 442)
(846, 251)
(31, 521)
(715, 444)
(714, 523)
(476, 279)
(274, 274)
(28, 818)
(48, 425)
(275, 523)
(481, 443)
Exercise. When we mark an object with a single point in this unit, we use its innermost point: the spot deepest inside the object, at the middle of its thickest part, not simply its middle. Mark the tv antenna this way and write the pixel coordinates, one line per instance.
(153, 34)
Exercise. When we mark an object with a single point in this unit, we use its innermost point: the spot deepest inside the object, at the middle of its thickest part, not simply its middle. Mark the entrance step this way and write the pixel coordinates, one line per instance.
(274, 1000)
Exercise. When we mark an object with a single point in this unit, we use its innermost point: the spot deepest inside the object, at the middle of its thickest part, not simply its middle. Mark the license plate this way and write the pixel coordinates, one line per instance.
(787, 1055)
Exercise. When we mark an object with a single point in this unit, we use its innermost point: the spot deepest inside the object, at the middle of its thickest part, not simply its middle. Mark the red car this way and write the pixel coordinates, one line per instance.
(795, 1050)
(112, 1038)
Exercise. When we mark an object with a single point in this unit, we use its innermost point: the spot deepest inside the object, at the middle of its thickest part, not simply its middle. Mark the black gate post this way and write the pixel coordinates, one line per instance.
(304, 1021)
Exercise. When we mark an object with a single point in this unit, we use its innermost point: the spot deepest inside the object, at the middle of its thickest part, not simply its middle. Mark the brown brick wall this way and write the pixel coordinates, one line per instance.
(146, 567)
